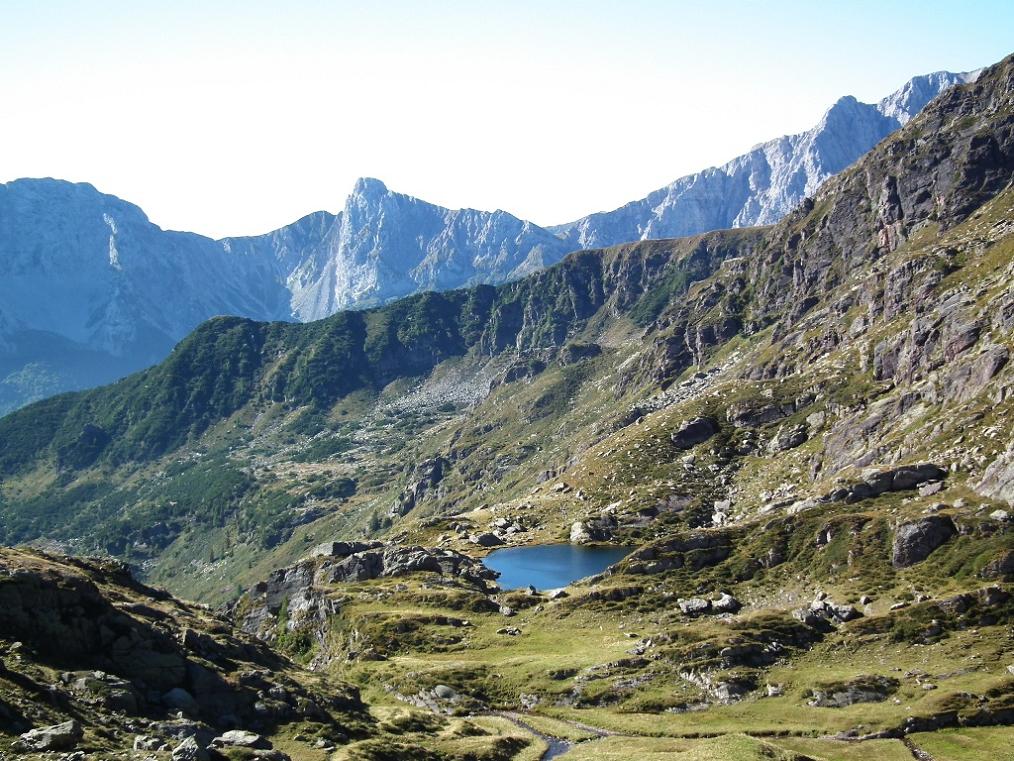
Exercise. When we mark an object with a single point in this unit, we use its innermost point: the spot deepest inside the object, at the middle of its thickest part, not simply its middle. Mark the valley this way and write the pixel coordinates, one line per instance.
(800, 432)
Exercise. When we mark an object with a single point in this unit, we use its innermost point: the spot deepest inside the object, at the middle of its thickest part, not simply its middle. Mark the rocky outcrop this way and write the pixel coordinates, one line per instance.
(140, 653)
(301, 591)
(693, 550)
(915, 541)
(425, 478)
(863, 689)
(896, 479)
(998, 480)
(694, 432)
(596, 529)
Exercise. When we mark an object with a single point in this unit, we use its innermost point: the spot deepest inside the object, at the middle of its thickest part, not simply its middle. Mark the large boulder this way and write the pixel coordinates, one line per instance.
(62, 736)
(694, 432)
(694, 606)
(600, 529)
(240, 738)
(189, 750)
(915, 541)
(486, 539)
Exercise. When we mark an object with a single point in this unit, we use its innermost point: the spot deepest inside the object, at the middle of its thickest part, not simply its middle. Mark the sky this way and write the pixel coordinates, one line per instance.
(232, 118)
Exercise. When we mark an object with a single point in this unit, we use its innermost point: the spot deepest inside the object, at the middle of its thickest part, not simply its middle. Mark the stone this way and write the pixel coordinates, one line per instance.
(788, 437)
(694, 432)
(774, 690)
(1000, 567)
(915, 541)
(486, 539)
(725, 603)
(63, 736)
(931, 488)
(598, 529)
(808, 617)
(510, 631)
(579, 533)
(444, 692)
(1000, 515)
(240, 738)
(694, 606)
(189, 750)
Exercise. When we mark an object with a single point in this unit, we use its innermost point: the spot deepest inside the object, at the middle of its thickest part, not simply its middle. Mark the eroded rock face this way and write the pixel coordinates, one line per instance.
(914, 542)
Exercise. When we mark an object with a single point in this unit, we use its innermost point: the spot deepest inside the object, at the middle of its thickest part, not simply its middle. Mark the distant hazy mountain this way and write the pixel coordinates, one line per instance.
(91, 290)
(384, 245)
(761, 186)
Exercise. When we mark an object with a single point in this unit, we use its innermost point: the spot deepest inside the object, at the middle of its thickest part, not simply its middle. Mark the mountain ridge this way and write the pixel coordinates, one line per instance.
(765, 183)
(122, 297)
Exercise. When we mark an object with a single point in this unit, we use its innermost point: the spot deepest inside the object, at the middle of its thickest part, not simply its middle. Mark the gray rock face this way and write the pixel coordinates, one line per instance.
(763, 185)
(914, 542)
(694, 432)
(57, 737)
(385, 245)
(788, 438)
(998, 480)
(426, 477)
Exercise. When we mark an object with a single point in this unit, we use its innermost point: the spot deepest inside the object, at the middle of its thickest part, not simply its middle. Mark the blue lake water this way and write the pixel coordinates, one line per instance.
(549, 566)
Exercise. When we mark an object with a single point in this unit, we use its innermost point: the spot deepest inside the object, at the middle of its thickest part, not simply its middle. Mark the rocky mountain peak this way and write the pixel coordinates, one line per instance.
(369, 187)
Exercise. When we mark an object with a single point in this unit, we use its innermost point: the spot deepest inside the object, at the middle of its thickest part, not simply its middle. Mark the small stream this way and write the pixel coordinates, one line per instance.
(555, 747)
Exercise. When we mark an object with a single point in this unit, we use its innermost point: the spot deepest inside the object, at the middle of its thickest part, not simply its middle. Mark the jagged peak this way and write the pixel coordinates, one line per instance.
(369, 187)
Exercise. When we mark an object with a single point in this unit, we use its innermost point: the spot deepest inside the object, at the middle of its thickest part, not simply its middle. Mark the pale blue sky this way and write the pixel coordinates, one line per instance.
(237, 117)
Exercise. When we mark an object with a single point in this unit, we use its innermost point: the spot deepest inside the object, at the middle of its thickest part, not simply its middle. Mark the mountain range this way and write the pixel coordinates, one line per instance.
(91, 290)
